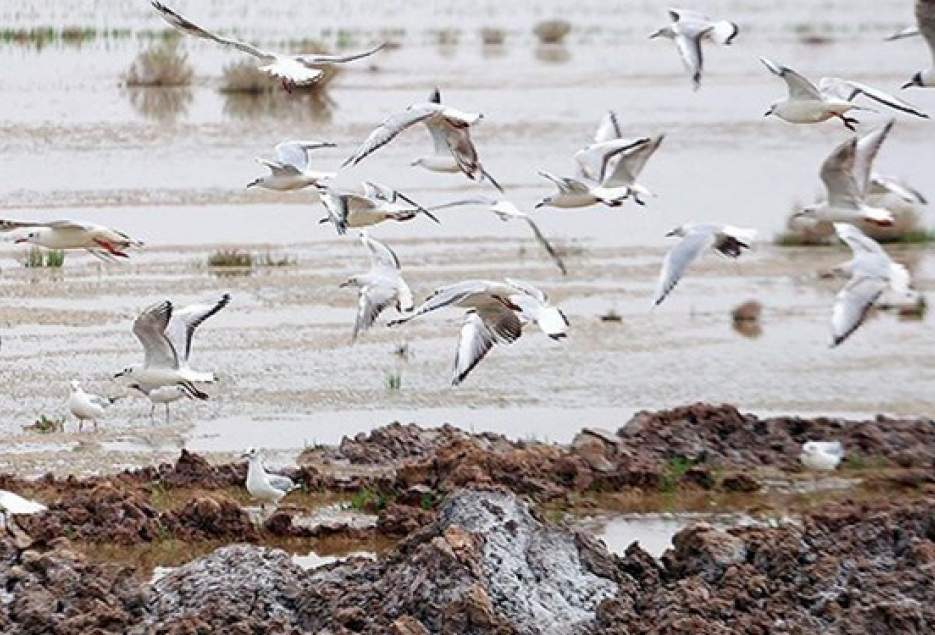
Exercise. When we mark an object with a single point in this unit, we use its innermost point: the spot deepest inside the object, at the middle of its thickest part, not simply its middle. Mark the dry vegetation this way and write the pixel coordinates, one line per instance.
(162, 64)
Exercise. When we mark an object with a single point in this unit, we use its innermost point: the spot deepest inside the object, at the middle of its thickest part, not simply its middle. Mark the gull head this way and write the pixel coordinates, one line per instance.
(771, 111)
(28, 237)
(809, 212)
(417, 162)
(665, 31)
(126, 372)
(678, 232)
(546, 202)
(353, 281)
(251, 453)
(254, 183)
(75, 385)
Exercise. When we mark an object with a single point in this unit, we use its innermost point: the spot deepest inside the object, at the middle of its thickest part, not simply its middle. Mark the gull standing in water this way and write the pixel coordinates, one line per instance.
(833, 97)
(450, 130)
(166, 336)
(164, 395)
(87, 406)
(507, 211)
(925, 18)
(377, 204)
(696, 240)
(380, 287)
(846, 174)
(496, 314)
(263, 486)
(290, 170)
(871, 272)
(824, 456)
(687, 30)
(302, 69)
(102, 242)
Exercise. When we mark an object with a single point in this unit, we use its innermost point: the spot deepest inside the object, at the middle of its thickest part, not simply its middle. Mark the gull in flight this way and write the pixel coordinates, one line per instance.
(925, 18)
(871, 272)
(497, 312)
(846, 176)
(377, 204)
(687, 30)
(696, 240)
(166, 336)
(822, 455)
(507, 211)
(164, 395)
(87, 406)
(380, 287)
(450, 130)
(303, 69)
(102, 242)
(832, 97)
(290, 170)
(263, 486)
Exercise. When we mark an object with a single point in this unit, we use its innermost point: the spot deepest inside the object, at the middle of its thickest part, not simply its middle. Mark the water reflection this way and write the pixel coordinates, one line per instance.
(317, 107)
(160, 103)
(553, 53)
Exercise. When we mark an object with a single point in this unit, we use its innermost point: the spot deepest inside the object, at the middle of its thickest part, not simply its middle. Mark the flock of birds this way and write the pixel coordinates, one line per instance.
(607, 172)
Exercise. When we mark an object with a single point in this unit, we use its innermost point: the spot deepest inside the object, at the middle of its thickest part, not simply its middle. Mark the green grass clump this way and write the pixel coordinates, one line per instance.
(368, 500)
(47, 425)
(37, 258)
(394, 381)
(674, 471)
(231, 258)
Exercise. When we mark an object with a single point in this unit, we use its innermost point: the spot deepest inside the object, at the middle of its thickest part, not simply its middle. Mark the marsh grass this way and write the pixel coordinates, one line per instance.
(231, 258)
(162, 64)
(393, 380)
(552, 31)
(268, 259)
(39, 258)
(370, 501)
(674, 471)
(46, 425)
(43, 36)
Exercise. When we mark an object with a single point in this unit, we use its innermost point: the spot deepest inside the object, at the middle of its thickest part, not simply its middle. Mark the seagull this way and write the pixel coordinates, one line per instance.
(377, 204)
(380, 287)
(497, 312)
(925, 18)
(86, 406)
(833, 97)
(846, 176)
(449, 128)
(822, 455)
(263, 486)
(696, 239)
(290, 170)
(13, 503)
(871, 273)
(687, 30)
(507, 211)
(303, 69)
(163, 395)
(102, 242)
(166, 336)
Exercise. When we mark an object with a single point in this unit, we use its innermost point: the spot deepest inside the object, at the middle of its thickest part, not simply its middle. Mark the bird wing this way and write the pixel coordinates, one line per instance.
(565, 184)
(317, 59)
(379, 192)
(880, 184)
(295, 153)
(290, 70)
(381, 256)
(481, 329)
(631, 163)
(449, 295)
(868, 146)
(549, 249)
(853, 304)
(679, 258)
(185, 322)
(392, 126)
(372, 300)
(909, 31)
(485, 201)
(595, 160)
(458, 139)
(925, 18)
(838, 175)
(280, 482)
(150, 330)
(528, 289)
(185, 25)
(279, 169)
(690, 51)
(335, 203)
(609, 128)
(799, 87)
(858, 241)
(849, 90)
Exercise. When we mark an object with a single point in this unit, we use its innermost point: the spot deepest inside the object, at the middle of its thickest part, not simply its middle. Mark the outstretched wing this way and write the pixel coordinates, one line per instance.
(295, 153)
(609, 128)
(390, 128)
(381, 256)
(373, 300)
(479, 332)
(838, 175)
(630, 163)
(317, 59)
(565, 184)
(678, 259)
(799, 87)
(185, 322)
(185, 25)
(853, 304)
(849, 90)
(150, 330)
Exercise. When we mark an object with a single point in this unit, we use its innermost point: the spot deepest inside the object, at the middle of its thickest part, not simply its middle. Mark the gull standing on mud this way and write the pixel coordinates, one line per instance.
(507, 211)
(872, 272)
(925, 19)
(833, 97)
(290, 171)
(380, 287)
(377, 204)
(687, 30)
(66, 235)
(164, 395)
(447, 126)
(166, 336)
(497, 312)
(87, 406)
(696, 240)
(302, 69)
(846, 174)
(824, 456)
(263, 486)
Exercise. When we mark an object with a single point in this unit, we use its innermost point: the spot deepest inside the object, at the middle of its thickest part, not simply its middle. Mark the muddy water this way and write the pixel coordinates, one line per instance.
(170, 166)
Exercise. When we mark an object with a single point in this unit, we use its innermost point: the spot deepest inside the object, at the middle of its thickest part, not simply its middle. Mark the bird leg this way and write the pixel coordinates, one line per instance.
(152, 414)
(80, 425)
(167, 414)
(849, 122)
(639, 201)
(287, 85)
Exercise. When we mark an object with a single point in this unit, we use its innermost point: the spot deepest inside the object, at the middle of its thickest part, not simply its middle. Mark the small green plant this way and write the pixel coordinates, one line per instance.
(674, 471)
(37, 258)
(367, 500)
(162, 64)
(47, 425)
(231, 258)
(428, 501)
(394, 381)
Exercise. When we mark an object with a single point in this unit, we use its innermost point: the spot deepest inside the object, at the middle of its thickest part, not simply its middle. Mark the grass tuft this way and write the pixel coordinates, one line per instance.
(46, 425)
(38, 258)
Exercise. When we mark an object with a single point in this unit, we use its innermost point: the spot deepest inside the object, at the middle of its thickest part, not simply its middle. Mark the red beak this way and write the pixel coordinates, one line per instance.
(20, 241)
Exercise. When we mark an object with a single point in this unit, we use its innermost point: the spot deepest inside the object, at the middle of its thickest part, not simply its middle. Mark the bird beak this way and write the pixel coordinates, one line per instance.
(654, 35)
(768, 113)
(413, 163)
(540, 205)
(908, 84)
(344, 284)
(671, 234)
(253, 184)
(20, 241)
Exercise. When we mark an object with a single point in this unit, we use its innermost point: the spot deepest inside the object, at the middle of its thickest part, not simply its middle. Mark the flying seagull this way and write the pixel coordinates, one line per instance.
(166, 336)
(871, 272)
(380, 287)
(102, 242)
(925, 18)
(832, 97)
(290, 170)
(303, 69)
(87, 406)
(696, 240)
(377, 204)
(496, 313)
(164, 395)
(507, 211)
(846, 174)
(687, 30)
(447, 126)
(263, 486)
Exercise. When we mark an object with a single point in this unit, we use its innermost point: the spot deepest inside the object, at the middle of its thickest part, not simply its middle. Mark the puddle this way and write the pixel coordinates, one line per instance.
(313, 560)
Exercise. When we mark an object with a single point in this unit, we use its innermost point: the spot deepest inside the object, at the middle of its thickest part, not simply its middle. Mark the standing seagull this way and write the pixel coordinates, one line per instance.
(846, 174)
(871, 273)
(86, 406)
(832, 97)
(163, 395)
(496, 314)
(687, 30)
(925, 18)
(377, 204)
(380, 287)
(263, 486)
(166, 336)
(290, 170)
(102, 242)
(507, 211)
(447, 125)
(294, 70)
(822, 455)
(696, 239)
